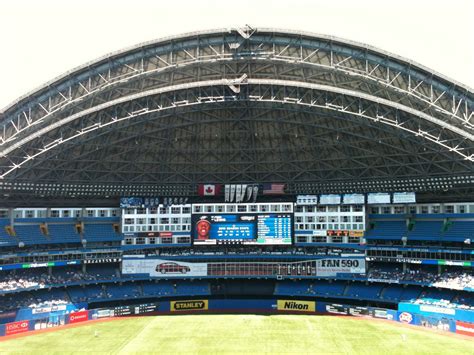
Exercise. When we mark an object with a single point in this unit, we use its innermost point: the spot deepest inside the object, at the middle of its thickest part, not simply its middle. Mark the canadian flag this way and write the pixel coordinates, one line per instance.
(209, 189)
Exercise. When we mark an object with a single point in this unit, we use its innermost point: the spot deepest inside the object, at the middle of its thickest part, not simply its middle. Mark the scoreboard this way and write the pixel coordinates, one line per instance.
(247, 229)
(271, 227)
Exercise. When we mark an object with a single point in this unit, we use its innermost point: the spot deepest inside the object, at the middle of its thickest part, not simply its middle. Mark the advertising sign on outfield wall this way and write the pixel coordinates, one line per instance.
(299, 306)
(190, 305)
(163, 268)
(333, 267)
(465, 328)
(17, 327)
(77, 317)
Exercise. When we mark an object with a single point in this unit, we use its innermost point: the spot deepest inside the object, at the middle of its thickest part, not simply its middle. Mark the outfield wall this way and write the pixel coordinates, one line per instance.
(239, 306)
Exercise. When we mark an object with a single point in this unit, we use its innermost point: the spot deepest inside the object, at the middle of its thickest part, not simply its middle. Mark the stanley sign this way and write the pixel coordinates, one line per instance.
(194, 305)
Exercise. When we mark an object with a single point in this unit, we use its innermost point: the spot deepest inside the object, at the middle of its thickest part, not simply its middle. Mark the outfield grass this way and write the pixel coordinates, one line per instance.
(211, 334)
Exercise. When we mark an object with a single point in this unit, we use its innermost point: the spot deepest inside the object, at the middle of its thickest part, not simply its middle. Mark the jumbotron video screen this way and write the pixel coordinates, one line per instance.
(247, 229)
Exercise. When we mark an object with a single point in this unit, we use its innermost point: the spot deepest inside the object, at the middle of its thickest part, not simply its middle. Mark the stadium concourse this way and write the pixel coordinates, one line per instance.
(239, 170)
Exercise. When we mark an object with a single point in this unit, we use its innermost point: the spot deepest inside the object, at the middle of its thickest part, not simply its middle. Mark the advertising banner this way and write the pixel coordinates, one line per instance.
(17, 327)
(406, 317)
(77, 317)
(191, 305)
(383, 313)
(336, 309)
(330, 199)
(333, 267)
(47, 309)
(300, 306)
(465, 328)
(353, 199)
(358, 311)
(378, 198)
(404, 197)
(163, 268)
(436, 309)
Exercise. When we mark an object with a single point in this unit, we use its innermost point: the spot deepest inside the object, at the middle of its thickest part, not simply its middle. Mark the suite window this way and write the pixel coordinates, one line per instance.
(398, 209)
(358, 208)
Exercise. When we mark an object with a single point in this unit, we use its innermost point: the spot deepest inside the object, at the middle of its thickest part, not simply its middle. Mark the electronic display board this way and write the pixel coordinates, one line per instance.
(404, 197)
(378, 198)
(247, 229)
(353, 199)
(330, 199)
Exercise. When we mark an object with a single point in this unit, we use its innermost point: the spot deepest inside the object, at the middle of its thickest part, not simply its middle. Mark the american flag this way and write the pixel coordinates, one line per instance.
(273, 189)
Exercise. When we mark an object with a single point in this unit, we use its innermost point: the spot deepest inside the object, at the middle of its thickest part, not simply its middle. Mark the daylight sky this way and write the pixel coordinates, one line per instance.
(40, 40)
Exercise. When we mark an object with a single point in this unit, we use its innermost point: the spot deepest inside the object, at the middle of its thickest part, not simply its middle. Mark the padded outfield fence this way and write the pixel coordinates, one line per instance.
(24, 321)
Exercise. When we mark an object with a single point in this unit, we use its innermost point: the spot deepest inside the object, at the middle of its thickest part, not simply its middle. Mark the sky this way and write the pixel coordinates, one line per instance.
(40, 40)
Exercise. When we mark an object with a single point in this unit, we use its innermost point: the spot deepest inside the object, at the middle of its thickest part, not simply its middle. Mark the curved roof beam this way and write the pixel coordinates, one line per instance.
(70, 88)
(196, 98)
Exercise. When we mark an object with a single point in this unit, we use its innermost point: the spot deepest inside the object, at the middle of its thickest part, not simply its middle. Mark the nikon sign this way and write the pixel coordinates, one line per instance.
(333, 267)
(299, 306)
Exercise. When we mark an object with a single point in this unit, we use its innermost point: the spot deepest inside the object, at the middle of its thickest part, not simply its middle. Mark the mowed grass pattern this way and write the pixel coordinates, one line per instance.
(217, 334)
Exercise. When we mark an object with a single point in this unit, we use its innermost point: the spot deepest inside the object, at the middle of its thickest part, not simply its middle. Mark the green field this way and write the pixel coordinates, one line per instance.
(210, 334)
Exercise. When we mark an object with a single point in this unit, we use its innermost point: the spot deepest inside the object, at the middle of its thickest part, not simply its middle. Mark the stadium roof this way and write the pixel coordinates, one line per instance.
(242, 105)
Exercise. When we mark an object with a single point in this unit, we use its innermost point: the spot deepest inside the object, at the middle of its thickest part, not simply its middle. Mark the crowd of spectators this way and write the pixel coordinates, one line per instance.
(39, 299)
(453, 304)
(15, 281)
(456, 280)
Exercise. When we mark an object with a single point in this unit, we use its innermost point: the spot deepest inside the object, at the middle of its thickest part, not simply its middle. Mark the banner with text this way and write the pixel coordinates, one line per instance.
(299, 306)
(163, 268)
(333, 267)
(191, 305)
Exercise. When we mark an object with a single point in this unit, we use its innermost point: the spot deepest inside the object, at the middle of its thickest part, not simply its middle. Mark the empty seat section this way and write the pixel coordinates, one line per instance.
(391, 230)
(325, 288)
(30, 234)
(6, 239)
(426, 230)
(63, 233)
(392, 293)
(459, 231)
(193, 288)
(409, 293)
(364, 291)
(100, 233)
(160, 289)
